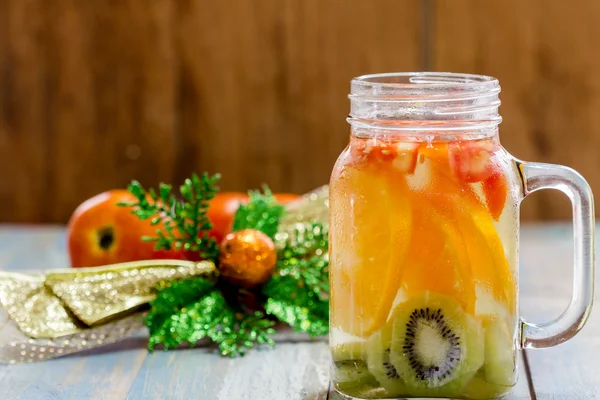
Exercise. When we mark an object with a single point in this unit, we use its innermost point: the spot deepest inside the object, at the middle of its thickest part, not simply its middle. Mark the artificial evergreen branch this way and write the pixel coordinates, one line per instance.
(190, 310)
(305, 258)
(261, 213)
(238, 331)
(298, 292)
(181, 223)
(208, 316)
(172, 298)
(190, 323)
(297, 306)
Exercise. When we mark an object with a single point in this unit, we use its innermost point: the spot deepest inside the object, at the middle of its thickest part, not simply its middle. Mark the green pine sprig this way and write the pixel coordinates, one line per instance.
(183, 221)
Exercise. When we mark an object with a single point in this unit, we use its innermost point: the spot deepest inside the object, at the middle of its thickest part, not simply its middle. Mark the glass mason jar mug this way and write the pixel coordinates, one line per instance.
(424, 226)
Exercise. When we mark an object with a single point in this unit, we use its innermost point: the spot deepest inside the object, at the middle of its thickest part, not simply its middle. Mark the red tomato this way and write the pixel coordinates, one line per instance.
(224, 205)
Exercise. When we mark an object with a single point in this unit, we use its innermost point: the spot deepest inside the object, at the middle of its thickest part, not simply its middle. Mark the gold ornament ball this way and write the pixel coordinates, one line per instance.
(247, 258)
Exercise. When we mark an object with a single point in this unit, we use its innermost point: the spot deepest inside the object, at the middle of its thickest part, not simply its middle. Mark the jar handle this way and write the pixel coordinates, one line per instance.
(538, 176)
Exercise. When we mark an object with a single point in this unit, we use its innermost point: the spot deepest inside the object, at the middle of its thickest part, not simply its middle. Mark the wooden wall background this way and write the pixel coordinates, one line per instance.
(96, 93)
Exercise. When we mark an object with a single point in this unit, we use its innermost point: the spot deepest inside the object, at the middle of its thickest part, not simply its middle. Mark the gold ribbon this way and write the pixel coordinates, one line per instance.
(64, 302)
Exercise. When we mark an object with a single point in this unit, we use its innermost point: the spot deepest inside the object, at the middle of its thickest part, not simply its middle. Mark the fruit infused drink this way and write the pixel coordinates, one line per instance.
(423, 232)
(423, 293)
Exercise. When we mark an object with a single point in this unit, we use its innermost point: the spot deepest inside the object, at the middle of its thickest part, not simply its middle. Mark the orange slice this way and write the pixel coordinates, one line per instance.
(494, 273)
(438, 259)
(458, 202)
(370, 225)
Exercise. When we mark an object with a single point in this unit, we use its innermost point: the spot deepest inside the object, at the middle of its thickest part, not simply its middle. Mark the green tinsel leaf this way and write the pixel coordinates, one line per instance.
(312, 273)
(237, 332)
(261, 213)
(189, 324)
(300, 308)
(309, 239)
(171, 299)
(298, 292)
(306, 258)
(191, 310)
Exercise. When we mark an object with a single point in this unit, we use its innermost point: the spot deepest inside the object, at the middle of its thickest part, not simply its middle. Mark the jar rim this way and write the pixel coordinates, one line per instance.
(423, 80)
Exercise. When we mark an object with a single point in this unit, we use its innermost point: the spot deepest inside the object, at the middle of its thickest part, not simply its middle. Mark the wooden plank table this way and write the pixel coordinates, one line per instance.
(296, 368)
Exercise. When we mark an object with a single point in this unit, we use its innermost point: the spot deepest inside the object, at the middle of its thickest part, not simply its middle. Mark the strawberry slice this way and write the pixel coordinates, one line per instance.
(402, 156)
(495, 191)
(470, 161)
(360, 148)
(383, 151)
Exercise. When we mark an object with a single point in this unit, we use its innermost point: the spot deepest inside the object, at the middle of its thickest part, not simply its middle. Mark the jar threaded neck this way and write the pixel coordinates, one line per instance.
(425, 101)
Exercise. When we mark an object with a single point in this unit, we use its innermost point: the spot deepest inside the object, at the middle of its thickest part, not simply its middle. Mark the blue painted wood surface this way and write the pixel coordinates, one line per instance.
(128, 371)
(292, 370)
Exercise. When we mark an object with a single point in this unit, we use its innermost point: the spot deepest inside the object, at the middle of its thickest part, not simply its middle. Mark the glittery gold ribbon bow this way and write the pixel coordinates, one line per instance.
(63, 302)
(64, 311)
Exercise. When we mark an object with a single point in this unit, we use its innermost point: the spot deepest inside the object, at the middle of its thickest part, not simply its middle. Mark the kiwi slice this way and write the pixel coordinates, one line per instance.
(480, 389)
(436, 346)
(499, 364)
(379, 364)
(370, 390)
(353, 350)
(350, 373)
